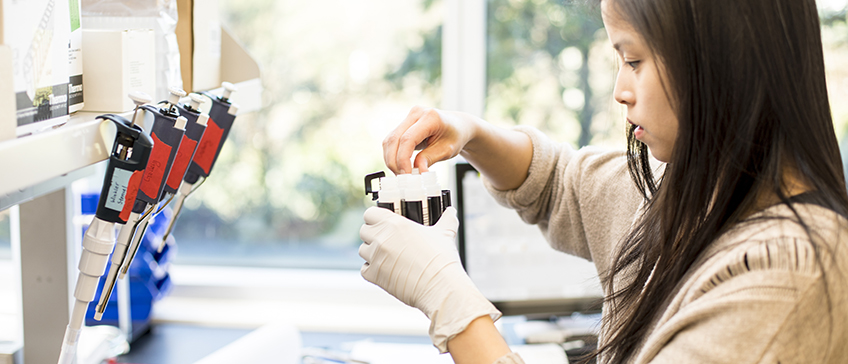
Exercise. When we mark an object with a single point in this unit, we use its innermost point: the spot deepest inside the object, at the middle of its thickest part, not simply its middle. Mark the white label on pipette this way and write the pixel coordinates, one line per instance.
(118, 189)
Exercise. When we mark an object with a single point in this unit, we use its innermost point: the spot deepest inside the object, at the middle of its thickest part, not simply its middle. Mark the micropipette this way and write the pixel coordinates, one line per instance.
(166, 131)
(195, 129)
(129, 157)
(222, 114)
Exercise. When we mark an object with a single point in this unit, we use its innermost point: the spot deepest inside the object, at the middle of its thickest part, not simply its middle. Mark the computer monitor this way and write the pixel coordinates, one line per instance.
(511, 262)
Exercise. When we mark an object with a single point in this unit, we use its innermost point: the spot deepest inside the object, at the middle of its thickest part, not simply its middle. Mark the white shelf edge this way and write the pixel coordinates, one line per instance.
(31, 160)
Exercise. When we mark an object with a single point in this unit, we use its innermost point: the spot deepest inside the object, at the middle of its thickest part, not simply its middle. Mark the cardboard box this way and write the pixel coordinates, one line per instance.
(199, 38)
(115, 63)
(37, 32)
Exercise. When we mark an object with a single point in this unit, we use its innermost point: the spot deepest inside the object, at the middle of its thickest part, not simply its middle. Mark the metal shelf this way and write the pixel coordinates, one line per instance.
(31, 160)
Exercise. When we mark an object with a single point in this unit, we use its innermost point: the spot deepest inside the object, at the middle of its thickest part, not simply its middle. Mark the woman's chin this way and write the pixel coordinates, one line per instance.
(659, 155)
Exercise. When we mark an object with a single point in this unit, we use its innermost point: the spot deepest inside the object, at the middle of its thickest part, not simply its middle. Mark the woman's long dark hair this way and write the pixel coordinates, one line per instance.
(746, 79)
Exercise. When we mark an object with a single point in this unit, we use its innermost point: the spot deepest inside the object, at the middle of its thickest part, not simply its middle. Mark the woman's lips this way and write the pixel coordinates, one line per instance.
(639, 131)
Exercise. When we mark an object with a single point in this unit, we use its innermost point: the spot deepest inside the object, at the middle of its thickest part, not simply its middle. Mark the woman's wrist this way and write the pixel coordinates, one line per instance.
(477, 134)
(479, 343)
(503, 156)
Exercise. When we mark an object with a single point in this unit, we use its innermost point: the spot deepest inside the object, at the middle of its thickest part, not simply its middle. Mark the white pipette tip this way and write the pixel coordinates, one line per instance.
(196, 100)
(229, 88)
(69, 346)
(161, 246)
(68, 354)
(163, 242)
(98, 315)
(140, 98)
(176, 94)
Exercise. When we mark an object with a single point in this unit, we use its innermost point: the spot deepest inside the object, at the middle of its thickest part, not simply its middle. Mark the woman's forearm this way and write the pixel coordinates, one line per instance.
(502, 155)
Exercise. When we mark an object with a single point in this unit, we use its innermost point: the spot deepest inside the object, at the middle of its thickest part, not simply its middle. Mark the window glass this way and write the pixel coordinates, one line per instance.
(287, 189)
(550, 65)
(835, 43)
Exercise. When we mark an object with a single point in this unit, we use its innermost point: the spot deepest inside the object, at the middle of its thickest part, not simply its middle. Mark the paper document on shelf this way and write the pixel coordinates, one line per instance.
(386, 353)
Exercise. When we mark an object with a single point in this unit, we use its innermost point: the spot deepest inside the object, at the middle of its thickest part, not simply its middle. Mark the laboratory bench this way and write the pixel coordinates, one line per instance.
(181, 343)
(212, 307)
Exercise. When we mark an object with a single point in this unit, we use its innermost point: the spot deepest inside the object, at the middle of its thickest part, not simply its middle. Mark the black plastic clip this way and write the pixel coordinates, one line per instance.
(369, 185)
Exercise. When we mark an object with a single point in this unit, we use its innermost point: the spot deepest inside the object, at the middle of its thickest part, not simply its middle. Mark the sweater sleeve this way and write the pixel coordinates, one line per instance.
(769, 306)
(583, 200)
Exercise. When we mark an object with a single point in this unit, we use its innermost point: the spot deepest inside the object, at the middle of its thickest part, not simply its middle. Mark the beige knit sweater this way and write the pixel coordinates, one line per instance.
(756, 296)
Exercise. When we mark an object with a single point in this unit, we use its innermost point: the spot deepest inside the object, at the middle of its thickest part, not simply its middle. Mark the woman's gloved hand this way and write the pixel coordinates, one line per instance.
(420, 266)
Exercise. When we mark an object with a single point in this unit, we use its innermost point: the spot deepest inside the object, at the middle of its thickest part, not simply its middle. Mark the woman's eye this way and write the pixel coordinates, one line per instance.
(632, 64)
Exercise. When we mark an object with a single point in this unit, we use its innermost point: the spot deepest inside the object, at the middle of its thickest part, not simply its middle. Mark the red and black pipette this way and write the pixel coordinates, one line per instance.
(222, 114)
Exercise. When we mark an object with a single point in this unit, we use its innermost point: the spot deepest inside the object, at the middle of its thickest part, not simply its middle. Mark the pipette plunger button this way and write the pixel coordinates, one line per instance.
(229, 88)
(196, 100)
(140, 98)
(176, 94)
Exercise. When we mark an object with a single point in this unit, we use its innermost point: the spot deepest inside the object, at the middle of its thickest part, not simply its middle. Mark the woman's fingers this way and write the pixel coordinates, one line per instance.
(391, 142)
(422, 129)
(426, 129)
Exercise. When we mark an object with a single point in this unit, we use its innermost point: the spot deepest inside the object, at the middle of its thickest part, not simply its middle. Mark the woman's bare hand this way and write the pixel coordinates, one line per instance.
(440, 135)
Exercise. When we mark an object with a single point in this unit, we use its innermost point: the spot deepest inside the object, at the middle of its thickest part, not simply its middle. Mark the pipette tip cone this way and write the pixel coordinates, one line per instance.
(68, 354)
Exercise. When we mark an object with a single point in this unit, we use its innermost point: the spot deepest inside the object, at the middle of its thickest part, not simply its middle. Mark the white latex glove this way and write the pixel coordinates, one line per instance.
(420, 266)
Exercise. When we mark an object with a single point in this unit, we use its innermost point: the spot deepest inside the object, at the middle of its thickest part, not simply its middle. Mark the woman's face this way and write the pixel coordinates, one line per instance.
(639, 86)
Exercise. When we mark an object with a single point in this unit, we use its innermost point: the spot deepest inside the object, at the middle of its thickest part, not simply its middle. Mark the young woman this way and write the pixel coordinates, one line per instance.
(731, 250)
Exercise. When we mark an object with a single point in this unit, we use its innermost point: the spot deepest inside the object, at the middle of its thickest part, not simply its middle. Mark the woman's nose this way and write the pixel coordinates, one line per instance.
(624, 97)
(622, 92)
